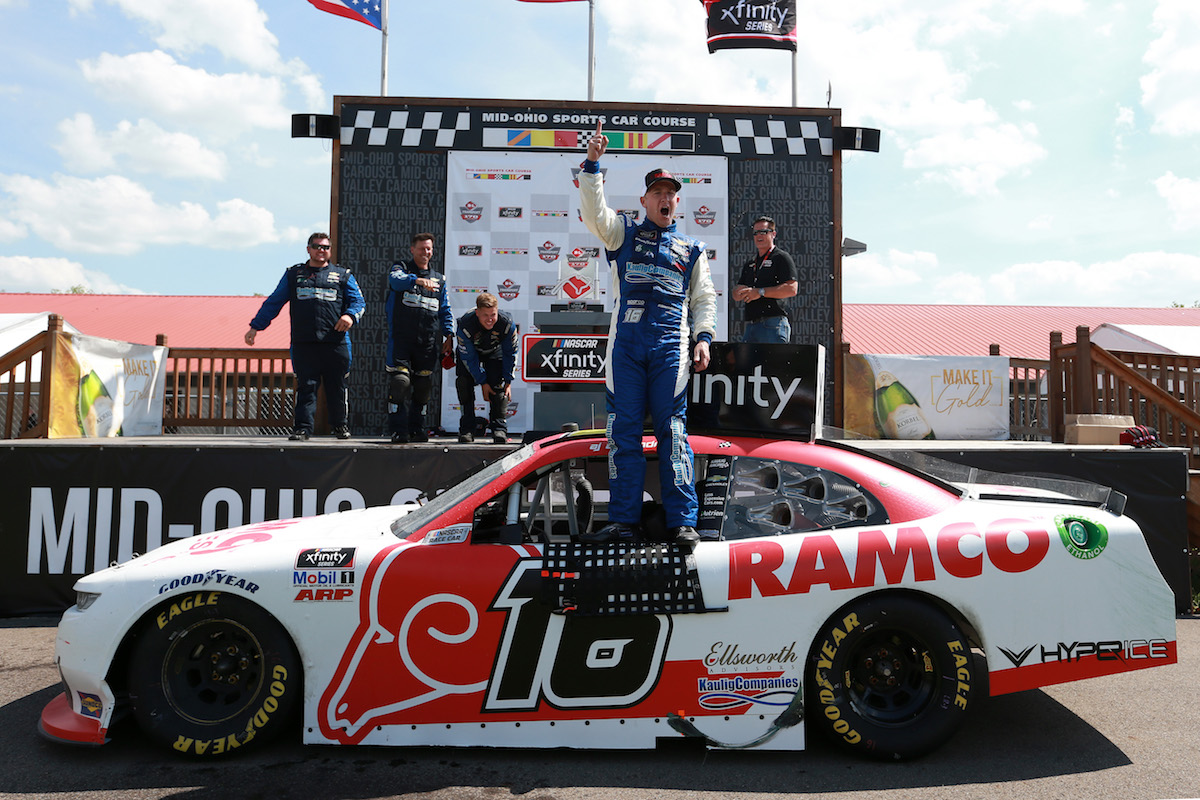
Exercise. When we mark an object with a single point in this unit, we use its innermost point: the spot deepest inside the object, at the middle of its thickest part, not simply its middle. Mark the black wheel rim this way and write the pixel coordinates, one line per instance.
(891, 677)
(212, 671)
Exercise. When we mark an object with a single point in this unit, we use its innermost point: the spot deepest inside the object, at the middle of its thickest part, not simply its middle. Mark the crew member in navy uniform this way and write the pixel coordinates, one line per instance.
(768, 277)
(420, 334)
(487, 357)
(324, 303)
(661, 291)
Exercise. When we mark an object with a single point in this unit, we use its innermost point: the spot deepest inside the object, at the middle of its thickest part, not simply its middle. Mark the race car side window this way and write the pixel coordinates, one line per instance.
(767, 497)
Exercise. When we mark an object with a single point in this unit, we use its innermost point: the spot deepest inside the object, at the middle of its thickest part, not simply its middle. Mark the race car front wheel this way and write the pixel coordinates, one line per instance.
(890, 677)
(211, 674)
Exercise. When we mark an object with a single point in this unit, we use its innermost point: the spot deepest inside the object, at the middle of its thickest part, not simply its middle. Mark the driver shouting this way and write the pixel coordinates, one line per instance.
(659, 276)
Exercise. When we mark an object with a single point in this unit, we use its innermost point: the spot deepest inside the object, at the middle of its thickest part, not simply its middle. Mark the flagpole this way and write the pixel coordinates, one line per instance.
(591, 50)
(795, 103)
(383, 26)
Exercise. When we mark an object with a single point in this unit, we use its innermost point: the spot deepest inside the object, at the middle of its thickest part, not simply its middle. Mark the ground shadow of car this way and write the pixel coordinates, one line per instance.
(999, 746)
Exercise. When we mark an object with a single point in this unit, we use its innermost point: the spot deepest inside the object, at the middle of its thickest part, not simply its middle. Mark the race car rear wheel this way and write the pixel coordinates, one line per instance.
(890, 677)
(211, 673)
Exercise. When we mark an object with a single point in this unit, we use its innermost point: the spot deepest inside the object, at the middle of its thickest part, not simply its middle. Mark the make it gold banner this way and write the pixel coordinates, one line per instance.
(926, 397)
(103, 388)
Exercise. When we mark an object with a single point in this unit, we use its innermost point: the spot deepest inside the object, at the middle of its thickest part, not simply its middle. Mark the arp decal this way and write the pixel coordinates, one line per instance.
(444, 636)
(760, 565)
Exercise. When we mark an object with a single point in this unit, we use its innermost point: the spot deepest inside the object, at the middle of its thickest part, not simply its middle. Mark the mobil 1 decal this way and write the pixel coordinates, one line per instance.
(460, 633)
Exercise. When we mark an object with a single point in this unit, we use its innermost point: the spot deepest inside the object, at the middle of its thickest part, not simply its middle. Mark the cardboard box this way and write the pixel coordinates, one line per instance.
(1093, 434)
(1121, 421)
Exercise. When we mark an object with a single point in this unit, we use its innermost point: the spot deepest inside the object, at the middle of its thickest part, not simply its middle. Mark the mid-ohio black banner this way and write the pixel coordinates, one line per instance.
(751, 23)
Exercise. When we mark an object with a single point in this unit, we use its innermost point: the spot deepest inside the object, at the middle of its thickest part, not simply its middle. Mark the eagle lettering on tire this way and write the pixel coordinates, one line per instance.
(211, 673)
(890, 676)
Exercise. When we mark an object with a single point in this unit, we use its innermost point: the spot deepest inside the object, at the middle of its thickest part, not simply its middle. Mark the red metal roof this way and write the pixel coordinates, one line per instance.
(187, 321)
(1021, 331)
(886, 329)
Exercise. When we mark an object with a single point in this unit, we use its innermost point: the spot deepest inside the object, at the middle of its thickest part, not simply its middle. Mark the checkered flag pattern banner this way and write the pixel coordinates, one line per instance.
(767, 137)
(406, 128)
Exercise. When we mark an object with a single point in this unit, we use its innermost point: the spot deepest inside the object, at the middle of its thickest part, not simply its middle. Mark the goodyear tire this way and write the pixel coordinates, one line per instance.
(890, 677)
(211, 674)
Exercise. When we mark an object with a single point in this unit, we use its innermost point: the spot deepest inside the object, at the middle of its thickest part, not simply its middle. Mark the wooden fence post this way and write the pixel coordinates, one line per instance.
(1084, 401)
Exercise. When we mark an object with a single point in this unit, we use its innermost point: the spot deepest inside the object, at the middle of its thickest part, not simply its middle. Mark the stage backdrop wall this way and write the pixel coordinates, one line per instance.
(494, 181)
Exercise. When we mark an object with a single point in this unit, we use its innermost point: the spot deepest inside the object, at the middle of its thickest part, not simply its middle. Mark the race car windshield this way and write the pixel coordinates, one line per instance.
(458, 492)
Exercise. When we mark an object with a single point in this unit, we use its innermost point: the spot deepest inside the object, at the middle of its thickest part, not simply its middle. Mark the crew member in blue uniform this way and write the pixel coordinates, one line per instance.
(662, 291)
(325, 302)
(487, 358)
(420, 335)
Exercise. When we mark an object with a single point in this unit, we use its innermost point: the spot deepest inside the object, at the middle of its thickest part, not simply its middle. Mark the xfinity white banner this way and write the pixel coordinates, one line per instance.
(513, 229)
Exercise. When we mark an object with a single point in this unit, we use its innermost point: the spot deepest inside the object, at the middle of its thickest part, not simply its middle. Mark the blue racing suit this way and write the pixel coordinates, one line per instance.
(419, 319)
(658, 277)
(317, 298)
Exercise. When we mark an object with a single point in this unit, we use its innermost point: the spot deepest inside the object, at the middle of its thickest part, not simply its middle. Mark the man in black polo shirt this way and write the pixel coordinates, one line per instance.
(768, 277)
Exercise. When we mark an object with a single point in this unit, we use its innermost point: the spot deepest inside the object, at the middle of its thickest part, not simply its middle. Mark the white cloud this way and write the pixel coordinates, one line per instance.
(116, 215)
(1169, 89)
(1138, 279)
(868, 272)
(1042, 222)
(1183, 200)
(220, 106)
(141, 147)
(28, 274)
(974, 160)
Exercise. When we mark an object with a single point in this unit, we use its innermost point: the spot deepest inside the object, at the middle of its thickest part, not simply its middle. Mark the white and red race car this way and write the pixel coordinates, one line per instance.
(833, 591)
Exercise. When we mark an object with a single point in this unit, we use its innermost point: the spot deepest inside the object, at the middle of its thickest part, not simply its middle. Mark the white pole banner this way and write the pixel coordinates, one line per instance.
(107, 388)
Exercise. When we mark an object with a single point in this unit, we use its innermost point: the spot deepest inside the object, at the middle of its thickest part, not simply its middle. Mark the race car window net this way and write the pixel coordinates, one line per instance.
(961, 478)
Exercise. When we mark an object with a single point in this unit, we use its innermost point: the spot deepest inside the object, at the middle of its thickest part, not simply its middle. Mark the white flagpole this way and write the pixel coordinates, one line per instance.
(383, 25)
(795, 103)
(591, 50)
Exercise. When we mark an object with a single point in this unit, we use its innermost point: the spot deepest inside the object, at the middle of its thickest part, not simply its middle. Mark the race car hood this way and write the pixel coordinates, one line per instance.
(233, 544)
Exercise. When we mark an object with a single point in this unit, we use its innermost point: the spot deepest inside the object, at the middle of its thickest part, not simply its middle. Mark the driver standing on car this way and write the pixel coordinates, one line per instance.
(661, 290)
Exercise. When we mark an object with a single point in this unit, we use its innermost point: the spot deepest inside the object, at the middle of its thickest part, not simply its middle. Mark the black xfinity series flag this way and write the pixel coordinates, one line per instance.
(751, 23)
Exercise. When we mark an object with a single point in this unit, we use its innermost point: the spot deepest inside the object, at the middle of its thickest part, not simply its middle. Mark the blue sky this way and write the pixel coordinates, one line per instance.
(1041, 152)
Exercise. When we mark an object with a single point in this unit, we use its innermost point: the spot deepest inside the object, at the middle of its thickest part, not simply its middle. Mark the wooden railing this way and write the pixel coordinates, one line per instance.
(232, 388)
(206, 388)
(26, 401)
(1161, 391)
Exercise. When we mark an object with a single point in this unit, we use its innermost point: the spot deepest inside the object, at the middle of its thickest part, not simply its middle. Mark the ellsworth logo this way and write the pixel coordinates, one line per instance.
(471, 212)
(704, 217)
(508, 290)
(548, 252)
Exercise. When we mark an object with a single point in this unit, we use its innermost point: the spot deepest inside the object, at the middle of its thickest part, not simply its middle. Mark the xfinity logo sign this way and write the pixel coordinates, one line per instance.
(758, 389)
(763, 391)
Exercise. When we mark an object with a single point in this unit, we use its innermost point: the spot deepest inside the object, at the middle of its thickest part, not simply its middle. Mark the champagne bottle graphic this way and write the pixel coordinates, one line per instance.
(897, 412)
(95, 407)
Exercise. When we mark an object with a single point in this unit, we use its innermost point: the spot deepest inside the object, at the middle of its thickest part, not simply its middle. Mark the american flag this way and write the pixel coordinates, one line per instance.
(367, 11)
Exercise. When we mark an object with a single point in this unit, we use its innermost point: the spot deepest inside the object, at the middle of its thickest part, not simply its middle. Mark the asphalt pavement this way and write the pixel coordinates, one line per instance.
(1125, 737)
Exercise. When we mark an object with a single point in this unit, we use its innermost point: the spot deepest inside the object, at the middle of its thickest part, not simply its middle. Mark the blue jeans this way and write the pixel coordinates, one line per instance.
(768, 330)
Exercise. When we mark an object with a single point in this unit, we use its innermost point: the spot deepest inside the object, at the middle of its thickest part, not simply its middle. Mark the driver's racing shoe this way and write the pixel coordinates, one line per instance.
(684, 536)
(613, 532)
